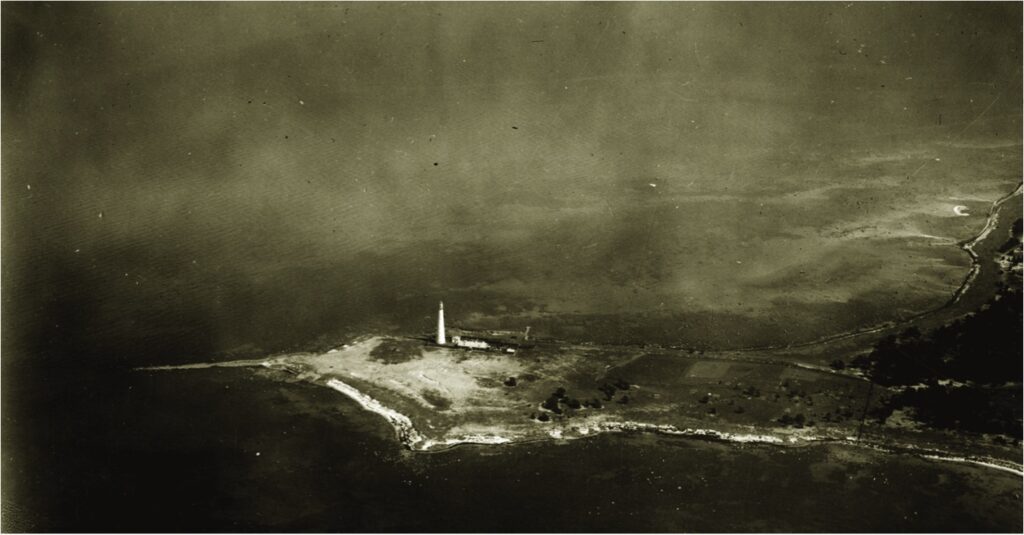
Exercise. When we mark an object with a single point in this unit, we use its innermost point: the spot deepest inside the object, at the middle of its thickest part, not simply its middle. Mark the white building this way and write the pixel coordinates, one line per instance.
(469, 343)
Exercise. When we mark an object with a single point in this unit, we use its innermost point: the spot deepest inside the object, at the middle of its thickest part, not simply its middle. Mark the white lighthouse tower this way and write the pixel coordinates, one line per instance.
(440, 324)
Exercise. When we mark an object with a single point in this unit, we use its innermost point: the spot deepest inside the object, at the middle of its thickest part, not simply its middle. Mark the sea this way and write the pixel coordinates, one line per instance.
(235, 450)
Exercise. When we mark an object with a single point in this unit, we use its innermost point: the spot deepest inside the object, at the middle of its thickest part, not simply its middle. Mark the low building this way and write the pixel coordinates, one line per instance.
(470, 343)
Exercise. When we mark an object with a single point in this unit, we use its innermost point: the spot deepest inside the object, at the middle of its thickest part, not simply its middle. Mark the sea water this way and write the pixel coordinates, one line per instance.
(239, 450)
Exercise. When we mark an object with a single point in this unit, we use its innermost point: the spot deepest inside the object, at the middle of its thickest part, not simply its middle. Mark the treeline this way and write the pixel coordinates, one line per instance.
(971, 408)
(984, 348)
(561, 403)
(1015, 235)
(965, 375)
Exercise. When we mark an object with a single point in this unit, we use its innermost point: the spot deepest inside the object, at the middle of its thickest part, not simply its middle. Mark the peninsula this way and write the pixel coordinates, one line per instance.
(488, 387)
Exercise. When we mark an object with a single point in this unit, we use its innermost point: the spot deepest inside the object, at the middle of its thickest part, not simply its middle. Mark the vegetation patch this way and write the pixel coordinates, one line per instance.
(397, 350)
(962, 376)
(436, 399)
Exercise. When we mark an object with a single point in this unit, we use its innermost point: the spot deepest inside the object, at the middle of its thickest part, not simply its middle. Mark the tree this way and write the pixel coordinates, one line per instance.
(551, 404)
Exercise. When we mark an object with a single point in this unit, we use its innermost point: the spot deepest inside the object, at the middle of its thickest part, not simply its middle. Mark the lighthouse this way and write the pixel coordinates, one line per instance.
(440, 324)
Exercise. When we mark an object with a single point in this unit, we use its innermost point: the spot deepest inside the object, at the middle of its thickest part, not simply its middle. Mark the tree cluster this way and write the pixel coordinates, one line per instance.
(965, 375)
(559, 400)
(798, 421)
(1015, 237)
(609, 389)
(972, 408)
(984, 348)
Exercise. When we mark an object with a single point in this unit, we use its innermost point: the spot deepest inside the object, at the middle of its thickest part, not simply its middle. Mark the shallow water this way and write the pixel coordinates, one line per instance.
(207, 205)
(231, 449)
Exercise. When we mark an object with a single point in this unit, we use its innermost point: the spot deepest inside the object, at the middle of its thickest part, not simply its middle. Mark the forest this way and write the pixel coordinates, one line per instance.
(965, 375)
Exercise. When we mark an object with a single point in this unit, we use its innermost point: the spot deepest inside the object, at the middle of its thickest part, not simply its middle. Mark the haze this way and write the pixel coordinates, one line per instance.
(187, 179)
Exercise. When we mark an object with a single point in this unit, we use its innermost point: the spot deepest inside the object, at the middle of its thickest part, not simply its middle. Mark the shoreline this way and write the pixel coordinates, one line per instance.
(413, 440)
(967, 246)
(406, 431)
